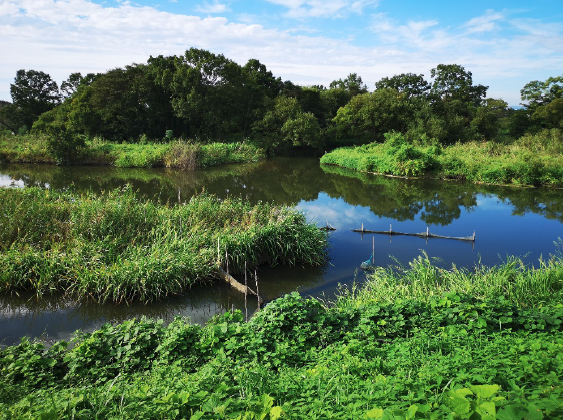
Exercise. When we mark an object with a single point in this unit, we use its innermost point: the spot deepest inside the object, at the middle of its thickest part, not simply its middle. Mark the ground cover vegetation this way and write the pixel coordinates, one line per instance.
(418, 342)
(202, 97)
(118, 247)
(534, 159)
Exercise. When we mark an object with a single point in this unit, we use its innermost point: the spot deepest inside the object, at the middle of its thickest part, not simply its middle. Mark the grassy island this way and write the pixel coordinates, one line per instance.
(531, 161)
(117, 247)
(42, 148)
(418, 343)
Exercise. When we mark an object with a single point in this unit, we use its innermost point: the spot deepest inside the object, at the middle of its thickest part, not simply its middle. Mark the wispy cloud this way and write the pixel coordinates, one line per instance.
(486, 23)
(323, 8)
(212, 8)
(61, 37)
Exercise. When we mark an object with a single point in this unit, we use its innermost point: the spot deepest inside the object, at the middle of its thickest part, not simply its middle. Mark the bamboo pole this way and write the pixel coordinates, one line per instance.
(245, 293)
(257, 291)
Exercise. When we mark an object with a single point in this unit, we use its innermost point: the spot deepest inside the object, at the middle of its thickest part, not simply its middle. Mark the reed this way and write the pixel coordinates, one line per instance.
(119, 248)
(423, 280)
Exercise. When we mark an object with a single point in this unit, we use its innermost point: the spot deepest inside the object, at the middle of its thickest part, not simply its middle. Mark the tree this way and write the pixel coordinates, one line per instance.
(368, 116)
(33, 93)
(452, 81)
(542, 93)
(286, 126)
(74, 81)
(412, 85)
(353, 84)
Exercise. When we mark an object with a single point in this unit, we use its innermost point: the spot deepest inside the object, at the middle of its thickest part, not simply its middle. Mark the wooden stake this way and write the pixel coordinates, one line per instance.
(474, 235)
(427, 231)
(227, 258)
(179, 199)
(245, 293)
(373, 250)
(362, 226)
(257, 291)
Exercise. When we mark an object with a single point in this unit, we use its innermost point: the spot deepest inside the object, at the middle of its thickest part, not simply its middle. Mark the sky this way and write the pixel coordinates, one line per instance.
(504, 44)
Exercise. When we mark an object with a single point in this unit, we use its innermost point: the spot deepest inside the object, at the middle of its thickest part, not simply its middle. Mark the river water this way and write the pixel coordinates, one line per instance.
(523, 222)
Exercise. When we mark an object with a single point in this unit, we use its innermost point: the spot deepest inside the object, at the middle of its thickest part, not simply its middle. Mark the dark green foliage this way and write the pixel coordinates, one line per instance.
(450, 356)
(119, 248)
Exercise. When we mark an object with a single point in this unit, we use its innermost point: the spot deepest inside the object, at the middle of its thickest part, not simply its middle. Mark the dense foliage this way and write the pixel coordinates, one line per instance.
(371, 354)
(118, 247)
(61, 147)
(532, 160)
(206, 97)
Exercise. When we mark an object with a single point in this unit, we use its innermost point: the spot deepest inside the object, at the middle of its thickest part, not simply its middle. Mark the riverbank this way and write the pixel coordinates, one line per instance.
(172, 154)
(475, 353)
(118, 247)
(530, 161)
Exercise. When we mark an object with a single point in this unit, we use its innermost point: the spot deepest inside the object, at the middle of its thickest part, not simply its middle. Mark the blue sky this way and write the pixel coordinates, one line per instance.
(505, 44)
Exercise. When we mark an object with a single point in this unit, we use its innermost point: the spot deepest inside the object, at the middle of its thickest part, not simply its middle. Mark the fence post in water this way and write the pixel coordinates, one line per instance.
(227, 258)
(257, 291)
(427, 232)
(245, 293)
(473, 235)
(179, 199)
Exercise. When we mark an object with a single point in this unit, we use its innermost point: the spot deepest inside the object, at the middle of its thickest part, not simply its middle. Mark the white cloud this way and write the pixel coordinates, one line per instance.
(212, 8)
(61, 37)
(323, 8)
(485, 23)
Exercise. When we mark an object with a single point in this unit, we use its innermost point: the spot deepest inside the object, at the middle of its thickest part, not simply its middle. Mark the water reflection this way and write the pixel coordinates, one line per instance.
(507, 221)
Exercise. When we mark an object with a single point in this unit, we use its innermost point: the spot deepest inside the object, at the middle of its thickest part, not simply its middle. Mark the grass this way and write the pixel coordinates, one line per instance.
(119, 248)
(178, 153)
(530, 161)
(422, 354)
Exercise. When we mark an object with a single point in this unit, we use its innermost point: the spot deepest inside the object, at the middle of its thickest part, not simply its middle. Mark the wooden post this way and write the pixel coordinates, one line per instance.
(218, 253)
(179, 199)
(373, 250)
(362, 226)
(390, 228)
(245, 293)
(227, 258)
(427, 231)
(257, 291)
(473, 235)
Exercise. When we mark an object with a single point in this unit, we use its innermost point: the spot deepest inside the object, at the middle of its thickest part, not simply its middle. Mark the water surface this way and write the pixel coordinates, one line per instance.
(507, 221)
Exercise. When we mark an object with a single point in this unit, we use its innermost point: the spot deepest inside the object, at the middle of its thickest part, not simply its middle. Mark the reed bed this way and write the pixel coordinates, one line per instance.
(116, 247)
(423, 280)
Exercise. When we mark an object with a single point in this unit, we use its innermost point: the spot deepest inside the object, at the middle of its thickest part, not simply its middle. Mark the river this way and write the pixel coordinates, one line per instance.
(523, 222)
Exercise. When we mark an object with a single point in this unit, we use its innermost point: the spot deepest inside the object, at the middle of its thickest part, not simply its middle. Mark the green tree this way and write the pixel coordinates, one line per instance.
(352, 83)
(33, 93)
(412, 85)
(453, 82)
(368, 116)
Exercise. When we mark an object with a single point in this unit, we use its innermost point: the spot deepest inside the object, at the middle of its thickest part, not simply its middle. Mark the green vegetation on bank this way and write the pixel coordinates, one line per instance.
(117, 247)
(422, 343)
(31, 148)
(206, 97)
(532, 160)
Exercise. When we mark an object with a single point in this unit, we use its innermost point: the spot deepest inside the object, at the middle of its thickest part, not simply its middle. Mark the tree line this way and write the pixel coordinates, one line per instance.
(207, 97)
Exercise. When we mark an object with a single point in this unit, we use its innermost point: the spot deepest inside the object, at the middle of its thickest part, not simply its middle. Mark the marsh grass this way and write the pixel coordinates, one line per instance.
(532, 160)
(116, 247)
(423, 280)
(178, 153)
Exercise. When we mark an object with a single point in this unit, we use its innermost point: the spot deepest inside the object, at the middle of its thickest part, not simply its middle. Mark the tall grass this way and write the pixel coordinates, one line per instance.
(531, 160)
(177, 153)
(423, 280)
(116, 247)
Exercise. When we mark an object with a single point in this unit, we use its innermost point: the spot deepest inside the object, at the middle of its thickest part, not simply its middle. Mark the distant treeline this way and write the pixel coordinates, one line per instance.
(203, 97)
